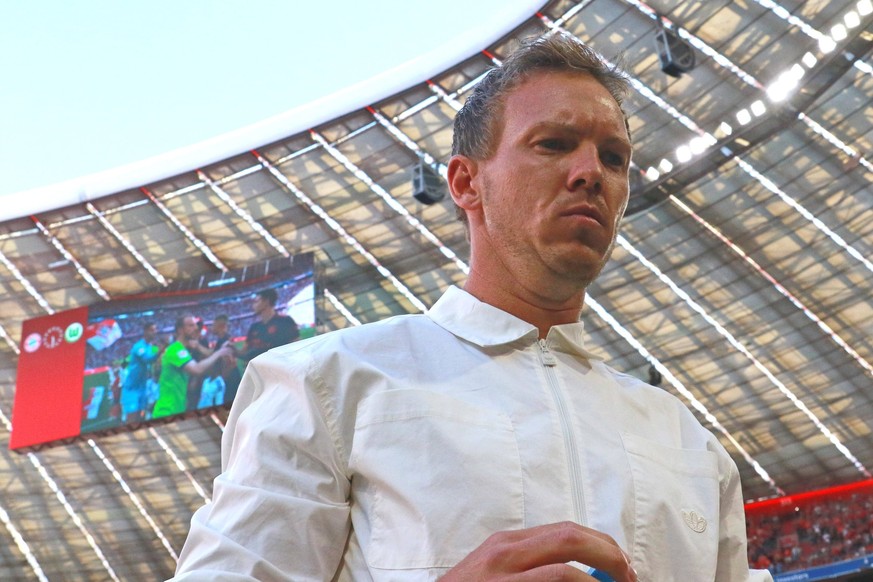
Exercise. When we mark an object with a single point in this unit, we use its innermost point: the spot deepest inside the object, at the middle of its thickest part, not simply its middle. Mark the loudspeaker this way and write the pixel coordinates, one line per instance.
(676, 55)
(428, 187)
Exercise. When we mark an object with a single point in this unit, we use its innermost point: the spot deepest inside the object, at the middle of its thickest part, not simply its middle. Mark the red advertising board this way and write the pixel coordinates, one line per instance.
(48, 398)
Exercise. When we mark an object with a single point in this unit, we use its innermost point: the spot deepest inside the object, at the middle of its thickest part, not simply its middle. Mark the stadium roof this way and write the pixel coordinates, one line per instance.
(743, 276)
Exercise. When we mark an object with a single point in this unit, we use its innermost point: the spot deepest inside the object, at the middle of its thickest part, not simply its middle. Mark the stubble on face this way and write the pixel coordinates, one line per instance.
(524, 192)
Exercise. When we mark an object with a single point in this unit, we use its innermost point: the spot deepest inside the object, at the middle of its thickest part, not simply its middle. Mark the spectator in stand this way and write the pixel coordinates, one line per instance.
(143, 355)
(178, 366)
(812, 533)
(271, 330)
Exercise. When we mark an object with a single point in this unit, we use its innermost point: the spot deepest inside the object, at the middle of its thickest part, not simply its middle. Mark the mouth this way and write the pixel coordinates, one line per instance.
(585, 211)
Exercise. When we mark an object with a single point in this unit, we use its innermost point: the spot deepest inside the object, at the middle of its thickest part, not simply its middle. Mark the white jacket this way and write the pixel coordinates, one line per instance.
(392, 450)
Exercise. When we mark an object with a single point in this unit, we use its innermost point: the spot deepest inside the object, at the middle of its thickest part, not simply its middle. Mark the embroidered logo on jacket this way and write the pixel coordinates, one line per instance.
(694, 520)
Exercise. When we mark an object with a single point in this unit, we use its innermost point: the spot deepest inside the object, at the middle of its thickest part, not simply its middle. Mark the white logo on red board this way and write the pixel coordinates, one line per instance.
(32, 342)
(53, 337)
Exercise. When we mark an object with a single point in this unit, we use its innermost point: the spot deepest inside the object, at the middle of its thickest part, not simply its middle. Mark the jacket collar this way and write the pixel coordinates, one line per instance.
(485, 325)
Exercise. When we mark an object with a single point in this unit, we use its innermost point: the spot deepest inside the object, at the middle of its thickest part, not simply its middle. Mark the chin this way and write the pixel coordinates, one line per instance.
(580, 272)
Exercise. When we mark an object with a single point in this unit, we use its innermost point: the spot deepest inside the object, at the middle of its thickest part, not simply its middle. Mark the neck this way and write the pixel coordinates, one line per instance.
(267, 315)
(527, 303)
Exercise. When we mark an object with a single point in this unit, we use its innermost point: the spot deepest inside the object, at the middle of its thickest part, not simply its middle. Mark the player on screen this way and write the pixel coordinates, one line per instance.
(178, 366)
(271, 329)
(143, 355)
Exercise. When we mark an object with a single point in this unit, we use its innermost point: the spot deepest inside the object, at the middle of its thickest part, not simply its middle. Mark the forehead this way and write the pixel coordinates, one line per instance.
(565, 97)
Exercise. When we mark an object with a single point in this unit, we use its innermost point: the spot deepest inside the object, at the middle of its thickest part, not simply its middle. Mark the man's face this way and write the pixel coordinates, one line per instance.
(150, 332)
(259, 304)
(190, 330)
(219, 327)
(555, 188)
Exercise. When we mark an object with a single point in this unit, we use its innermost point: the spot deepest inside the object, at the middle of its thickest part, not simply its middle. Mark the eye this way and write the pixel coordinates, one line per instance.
(611, 158)
(555, 144)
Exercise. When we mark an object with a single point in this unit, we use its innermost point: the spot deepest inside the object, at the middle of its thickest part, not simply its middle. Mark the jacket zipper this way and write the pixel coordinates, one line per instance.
(549, 362)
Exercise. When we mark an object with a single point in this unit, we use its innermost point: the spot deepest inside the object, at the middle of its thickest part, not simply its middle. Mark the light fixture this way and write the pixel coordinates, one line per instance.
(839, 32)
(683, 154)
(784, 84)
(852, 19)
(826, 44)
(428, 187)
(758, 108)
(809, 60)
(653, 174)
(676, 55)
(697, 145)
(724, 128)
(665, 165)
(865, 7)
(743, 116)
(778, 91)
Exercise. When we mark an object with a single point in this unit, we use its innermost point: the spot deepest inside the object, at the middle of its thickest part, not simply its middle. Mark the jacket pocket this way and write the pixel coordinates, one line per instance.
(676, 497)
(433, 477)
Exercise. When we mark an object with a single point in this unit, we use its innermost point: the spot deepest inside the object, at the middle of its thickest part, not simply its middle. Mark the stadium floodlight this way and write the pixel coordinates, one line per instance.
(665, 165)
(852, 19)
(785, 83)
(683, 154)
(758, 108)
(697, 145)
(826, 44)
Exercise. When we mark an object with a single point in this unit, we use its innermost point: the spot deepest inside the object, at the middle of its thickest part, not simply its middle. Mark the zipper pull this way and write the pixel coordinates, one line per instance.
(546, 356)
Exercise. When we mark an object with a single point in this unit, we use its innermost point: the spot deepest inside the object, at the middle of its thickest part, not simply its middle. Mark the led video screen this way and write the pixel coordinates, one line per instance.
(140, 359)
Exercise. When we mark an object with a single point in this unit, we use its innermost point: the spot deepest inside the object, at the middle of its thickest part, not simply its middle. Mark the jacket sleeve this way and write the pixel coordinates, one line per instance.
(733, 560)
(280, 507)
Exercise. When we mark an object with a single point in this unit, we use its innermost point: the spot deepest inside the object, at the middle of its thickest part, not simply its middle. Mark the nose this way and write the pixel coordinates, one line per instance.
(586, 171)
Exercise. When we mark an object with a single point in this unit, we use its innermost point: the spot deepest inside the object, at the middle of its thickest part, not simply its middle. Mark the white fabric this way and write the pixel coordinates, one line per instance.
(392, 450)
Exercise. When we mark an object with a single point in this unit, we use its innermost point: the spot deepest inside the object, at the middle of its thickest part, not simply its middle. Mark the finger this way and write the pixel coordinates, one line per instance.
(566, 542)
(554, 572)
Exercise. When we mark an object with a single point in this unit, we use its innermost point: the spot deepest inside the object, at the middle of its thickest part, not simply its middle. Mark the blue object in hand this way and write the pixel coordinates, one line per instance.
(602, 576)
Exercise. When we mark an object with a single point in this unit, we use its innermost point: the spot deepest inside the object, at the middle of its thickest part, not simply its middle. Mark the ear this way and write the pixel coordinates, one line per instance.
(461, 175)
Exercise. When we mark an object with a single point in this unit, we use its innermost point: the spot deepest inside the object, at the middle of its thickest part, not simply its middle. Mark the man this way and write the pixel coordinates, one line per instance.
(220, 332)
(222, 379)
(142, 356)
(271, 329)
(178, 366)
(482, 441)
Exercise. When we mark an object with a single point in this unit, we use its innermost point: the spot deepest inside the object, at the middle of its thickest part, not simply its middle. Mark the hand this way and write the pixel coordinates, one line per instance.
(541, 553)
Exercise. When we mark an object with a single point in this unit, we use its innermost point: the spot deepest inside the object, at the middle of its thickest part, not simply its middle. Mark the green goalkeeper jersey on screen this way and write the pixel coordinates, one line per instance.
(173, 382)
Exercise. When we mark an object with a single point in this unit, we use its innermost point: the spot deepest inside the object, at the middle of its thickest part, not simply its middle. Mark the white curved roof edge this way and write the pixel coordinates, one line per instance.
(189, 158)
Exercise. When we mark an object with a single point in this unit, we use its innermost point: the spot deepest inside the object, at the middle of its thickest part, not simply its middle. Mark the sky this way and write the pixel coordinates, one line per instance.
(93, 85)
